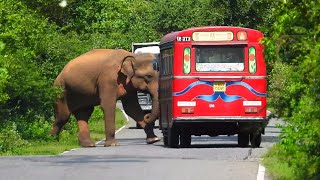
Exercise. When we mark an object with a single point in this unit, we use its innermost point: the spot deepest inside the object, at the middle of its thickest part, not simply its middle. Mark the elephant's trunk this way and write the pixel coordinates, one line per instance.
(150, 118)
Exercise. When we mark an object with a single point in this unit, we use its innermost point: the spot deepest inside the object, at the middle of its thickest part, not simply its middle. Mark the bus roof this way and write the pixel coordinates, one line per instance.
(255, 34)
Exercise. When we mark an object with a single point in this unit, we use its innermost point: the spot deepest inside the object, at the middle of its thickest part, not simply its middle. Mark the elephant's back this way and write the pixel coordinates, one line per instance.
(83, 71)
(98, 58)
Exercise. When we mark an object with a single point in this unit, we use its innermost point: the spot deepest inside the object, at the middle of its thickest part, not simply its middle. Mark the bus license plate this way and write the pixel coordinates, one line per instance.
(219, 86)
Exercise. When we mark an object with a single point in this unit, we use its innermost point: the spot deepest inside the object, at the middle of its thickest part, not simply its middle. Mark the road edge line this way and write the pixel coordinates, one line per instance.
(127, 118)
(261, 172)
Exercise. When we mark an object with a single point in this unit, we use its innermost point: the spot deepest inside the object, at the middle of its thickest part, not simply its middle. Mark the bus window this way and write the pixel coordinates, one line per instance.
(219, 58)
(166, 62)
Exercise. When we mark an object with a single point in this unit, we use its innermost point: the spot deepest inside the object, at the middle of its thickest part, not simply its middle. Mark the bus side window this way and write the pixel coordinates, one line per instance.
(197, 55)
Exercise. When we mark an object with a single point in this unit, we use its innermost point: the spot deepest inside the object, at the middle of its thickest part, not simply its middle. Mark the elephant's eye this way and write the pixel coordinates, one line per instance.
(148, 76)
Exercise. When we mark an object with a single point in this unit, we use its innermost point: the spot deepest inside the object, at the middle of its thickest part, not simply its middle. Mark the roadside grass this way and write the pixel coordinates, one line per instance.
(67, 139)
(277, 168)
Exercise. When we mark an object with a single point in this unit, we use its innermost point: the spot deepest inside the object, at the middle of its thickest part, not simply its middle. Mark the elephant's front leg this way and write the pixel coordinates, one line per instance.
(132, 107)
(108, 105)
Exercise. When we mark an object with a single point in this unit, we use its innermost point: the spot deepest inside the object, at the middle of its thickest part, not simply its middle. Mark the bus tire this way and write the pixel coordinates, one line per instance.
(243, 139)
(185, 140)
(165, 137)
(173, 138)
(165, 140)
(255, 140)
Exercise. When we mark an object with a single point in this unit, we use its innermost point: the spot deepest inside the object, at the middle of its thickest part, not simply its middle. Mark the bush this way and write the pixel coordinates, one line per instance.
(4, 76)
(293, 49)
(10, 138)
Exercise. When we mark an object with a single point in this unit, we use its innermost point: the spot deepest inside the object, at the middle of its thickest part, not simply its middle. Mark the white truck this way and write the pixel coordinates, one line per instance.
(146, 47)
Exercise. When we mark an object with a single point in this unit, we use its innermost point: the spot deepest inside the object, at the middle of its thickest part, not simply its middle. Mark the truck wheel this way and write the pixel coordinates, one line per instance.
(243, 139)
(255, 140)
(185, 140)
(173, 138)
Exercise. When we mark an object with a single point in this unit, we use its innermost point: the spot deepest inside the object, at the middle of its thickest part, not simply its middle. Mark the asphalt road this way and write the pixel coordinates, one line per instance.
(208, 158)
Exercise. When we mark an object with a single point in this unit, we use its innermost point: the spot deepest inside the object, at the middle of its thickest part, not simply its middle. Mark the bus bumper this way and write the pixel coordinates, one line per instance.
(214, 126)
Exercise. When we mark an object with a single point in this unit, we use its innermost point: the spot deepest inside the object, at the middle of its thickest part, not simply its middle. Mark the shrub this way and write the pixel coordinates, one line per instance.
(10, 138)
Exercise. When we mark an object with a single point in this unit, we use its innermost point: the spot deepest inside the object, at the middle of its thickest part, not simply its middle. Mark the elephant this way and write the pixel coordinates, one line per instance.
(102, 77)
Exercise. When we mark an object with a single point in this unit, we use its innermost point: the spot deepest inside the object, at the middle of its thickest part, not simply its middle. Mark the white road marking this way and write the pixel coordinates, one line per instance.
(127, 118)
(65, 152)
(261, 172)
(262, 169)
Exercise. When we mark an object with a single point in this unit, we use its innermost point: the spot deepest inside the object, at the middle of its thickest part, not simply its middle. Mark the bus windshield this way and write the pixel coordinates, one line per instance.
(219, 58)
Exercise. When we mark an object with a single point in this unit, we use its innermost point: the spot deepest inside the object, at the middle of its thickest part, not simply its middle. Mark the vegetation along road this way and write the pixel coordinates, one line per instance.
(207, 158)
(37, 39)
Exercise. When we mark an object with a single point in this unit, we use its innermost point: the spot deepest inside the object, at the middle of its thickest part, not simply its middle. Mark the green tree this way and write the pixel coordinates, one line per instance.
(3, 77)
(181, 14)
(292, 49)
(37, 38)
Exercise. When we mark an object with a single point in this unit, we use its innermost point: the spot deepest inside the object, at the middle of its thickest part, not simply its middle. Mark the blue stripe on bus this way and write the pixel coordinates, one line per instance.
(216, 95)
(191, 86)
(247, 86)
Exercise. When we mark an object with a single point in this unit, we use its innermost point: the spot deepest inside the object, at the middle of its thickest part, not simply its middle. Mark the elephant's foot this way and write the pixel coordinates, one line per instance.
(85, 140)
(151, 137)
(112, 142)
(152, 140)
(84, 134)
(87, 144)
(55, 131)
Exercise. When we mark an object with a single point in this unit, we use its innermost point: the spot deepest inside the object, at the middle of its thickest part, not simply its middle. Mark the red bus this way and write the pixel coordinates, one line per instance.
(212, 82)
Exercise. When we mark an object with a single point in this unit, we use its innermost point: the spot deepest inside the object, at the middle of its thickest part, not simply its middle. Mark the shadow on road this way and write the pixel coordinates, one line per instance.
(99, 159)
(134, 127)
(199, 142)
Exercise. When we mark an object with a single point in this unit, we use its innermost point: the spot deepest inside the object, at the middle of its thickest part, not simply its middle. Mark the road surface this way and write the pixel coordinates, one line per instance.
(208, 158)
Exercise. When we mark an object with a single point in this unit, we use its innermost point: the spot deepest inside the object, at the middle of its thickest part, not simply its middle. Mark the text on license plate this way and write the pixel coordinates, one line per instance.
(219, 86)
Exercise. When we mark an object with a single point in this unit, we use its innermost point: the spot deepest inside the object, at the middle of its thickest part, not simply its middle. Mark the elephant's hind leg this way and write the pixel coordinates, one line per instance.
(82, 117)
(62, 115)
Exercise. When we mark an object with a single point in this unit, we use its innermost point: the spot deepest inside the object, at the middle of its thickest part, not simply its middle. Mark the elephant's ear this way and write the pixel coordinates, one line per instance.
(127, 68)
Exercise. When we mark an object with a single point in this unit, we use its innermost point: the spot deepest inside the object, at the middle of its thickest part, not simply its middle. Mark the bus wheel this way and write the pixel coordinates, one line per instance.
(243, 139)
(185, 140)
(165, 138)
(173, 138)
(255, 140)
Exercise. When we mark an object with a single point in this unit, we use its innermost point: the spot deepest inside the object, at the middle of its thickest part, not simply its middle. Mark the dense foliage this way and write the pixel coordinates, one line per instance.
(38, 37)
(293, 52)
